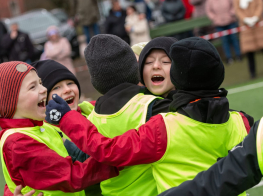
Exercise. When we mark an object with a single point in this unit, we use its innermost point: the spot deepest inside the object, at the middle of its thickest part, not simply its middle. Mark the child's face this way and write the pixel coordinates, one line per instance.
(32, 98)
(156, 73)
(67, 90)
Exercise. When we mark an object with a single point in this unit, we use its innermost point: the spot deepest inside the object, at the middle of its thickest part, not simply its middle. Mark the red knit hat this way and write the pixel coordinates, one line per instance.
(12, 75)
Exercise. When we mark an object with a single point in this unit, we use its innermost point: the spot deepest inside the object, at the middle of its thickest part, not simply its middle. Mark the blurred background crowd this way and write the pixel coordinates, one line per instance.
(60, 29)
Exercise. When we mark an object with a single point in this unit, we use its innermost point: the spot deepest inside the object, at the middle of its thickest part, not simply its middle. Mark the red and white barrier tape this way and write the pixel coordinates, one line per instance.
(229, 31)
(207, 37)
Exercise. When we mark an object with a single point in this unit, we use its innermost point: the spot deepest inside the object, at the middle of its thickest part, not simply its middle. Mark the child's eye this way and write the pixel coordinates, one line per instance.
(167, 62)
(70, 83)
(56, 87)
(32, 87)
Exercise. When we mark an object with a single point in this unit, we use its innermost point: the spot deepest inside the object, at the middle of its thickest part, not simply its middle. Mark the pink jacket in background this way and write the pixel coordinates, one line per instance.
(199, 8)
(61, 52)
(221, 12)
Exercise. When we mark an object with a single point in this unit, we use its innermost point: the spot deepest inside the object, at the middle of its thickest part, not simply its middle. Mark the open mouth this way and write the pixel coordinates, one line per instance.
(70, 100)
(157, 79)
(42, 103)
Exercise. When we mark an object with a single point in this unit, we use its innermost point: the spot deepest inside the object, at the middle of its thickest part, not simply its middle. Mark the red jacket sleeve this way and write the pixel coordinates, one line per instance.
(146, 145)
(246, 123)
(32, 163)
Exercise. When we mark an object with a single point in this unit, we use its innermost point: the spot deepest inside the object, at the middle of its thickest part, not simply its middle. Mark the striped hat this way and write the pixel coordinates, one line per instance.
(11, 77)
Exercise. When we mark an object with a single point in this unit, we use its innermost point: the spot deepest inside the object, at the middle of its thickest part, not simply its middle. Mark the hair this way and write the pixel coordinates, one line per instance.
(52, 28)
(133, 7)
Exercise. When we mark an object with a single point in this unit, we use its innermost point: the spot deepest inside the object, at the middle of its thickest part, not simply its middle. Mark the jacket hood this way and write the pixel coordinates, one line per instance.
(116, 98)
(203, 106)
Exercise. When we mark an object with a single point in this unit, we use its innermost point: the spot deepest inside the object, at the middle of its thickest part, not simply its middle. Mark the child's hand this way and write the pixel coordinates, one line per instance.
(56, 109)
(18, 189)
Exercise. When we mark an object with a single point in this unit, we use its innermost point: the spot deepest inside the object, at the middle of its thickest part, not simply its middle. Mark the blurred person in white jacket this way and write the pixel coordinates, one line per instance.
(136, 26)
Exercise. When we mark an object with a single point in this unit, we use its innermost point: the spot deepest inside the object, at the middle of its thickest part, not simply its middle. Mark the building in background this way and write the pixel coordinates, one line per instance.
(10, 8)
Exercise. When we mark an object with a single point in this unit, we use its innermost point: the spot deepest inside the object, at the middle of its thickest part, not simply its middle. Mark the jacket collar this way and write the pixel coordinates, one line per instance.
(203, 106)
(6, 123)
(117, 97)
(18, 123)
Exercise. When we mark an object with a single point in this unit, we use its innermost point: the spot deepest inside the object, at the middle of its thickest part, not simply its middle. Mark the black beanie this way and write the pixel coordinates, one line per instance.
(111, 62)
(52, 72)
(163, 43)
(196, 65)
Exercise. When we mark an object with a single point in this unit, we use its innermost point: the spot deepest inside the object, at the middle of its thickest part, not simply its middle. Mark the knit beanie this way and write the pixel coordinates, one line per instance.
(111, 62)
(12, 75)
(162, 43)
(52, 72)
(137, 48)
(196, 65)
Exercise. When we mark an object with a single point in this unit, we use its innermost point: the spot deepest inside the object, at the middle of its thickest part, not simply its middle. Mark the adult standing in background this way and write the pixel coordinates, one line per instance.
(189, 8)
(115, 22)
(18, 45)
(173, 10)
(199, 11)
(137, 26)
(222, 14)
(199, 8)
(249, 13)
(87, 15)
(3, 31)
(58, 48)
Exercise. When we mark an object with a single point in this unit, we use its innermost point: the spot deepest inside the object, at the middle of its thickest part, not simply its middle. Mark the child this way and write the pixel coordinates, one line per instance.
(114, 73)
(58, 79)
(198, 130)
(154, 66)
(240, 170)
(32, 155)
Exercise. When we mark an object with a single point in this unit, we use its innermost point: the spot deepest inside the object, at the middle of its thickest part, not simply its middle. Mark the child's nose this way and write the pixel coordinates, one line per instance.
(43, 90)
(156, 65)
(66, 89)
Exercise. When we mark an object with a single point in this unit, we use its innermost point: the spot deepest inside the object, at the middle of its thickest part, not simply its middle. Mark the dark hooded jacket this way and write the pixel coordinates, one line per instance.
(114, 25)
(20, 48)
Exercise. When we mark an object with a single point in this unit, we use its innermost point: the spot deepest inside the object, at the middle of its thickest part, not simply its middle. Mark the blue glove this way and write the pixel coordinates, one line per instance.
(56, 109)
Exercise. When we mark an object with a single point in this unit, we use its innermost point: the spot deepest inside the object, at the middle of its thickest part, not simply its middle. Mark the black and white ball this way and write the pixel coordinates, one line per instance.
(55, 115)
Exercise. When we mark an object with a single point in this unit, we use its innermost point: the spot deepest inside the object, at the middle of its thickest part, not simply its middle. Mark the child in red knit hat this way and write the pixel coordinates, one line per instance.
(31, 155)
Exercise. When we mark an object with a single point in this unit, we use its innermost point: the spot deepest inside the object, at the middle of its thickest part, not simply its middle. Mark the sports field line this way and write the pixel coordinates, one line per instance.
(259, 184)
(245, 88)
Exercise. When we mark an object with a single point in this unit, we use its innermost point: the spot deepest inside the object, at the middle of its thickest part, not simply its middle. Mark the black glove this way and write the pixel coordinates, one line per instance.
(56, 109)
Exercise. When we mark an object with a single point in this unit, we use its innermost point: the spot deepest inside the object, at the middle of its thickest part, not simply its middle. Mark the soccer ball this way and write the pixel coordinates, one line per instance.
(55, 115)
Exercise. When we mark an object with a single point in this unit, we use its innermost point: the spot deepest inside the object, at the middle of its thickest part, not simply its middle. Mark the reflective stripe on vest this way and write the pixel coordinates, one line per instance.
(260, 145)
(135, 180)
(194, 146)
(48, 137)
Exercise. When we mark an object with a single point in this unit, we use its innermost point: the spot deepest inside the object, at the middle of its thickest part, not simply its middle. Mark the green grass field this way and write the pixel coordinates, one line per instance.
(249, 100)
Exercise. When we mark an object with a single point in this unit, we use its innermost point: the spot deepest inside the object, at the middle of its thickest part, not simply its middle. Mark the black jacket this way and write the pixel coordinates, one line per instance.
(118, 96)
(115, 25)
(20, 48)
(230, 176)
(3, 32)
(173, 10)
(204, 106)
